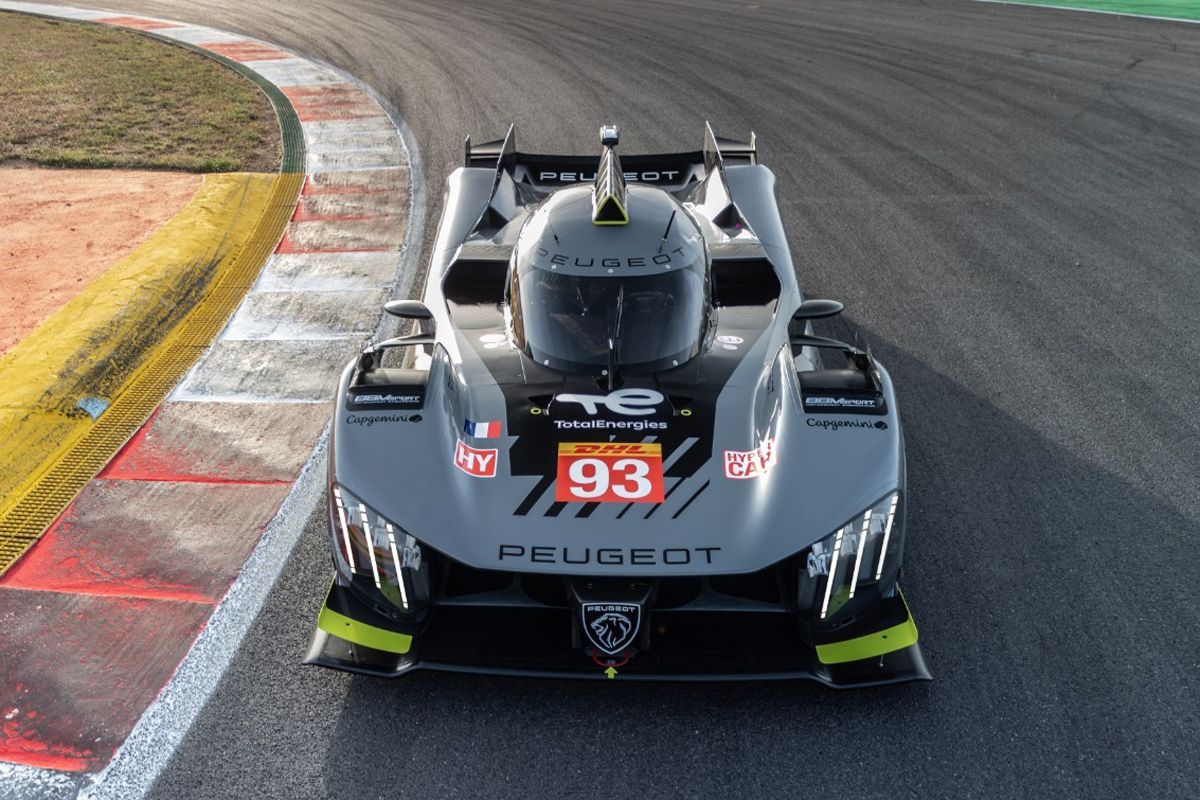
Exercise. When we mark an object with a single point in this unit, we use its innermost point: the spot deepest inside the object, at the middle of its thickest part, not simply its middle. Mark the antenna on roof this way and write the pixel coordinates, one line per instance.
(609, 195)
(667, 232)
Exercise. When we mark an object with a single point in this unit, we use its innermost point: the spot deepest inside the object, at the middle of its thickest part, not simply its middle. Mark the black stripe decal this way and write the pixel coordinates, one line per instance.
(689, 500)
(534, 495)
(666, 497)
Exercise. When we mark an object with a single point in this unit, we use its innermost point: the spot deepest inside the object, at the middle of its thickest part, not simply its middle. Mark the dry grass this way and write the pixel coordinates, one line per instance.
(75, 95)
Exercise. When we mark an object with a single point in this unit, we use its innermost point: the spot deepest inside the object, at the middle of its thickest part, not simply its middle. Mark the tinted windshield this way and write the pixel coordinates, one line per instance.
(654, 321)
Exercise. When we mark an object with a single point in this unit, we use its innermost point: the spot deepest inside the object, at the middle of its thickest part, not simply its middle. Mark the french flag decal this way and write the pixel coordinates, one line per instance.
(482, 430)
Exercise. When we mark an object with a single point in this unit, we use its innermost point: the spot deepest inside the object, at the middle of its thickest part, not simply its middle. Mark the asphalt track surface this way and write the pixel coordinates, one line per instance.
(1008, 201)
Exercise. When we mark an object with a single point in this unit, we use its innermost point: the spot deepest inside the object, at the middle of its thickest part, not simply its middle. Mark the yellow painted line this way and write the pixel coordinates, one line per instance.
(127, 339)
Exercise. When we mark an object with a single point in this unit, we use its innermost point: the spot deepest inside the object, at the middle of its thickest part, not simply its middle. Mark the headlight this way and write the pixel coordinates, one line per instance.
(367, 544)
(849, 568)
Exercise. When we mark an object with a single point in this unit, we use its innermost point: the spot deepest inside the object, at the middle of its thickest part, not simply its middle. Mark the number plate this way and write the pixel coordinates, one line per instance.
(609, 472)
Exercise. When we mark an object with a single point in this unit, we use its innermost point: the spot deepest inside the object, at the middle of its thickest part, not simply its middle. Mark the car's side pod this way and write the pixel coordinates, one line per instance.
(854, 389)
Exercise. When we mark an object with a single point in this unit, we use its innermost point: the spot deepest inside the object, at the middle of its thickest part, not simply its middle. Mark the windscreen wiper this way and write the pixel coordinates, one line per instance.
(614, 336)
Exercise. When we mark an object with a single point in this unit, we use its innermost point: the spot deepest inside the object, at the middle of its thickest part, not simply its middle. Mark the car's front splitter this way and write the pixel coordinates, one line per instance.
(537, 642)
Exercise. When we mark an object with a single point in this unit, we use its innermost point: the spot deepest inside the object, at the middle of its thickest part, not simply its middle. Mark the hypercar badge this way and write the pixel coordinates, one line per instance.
(611, 627)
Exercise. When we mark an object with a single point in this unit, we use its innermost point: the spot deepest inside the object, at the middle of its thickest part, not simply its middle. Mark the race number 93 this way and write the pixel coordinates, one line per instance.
(609, 472)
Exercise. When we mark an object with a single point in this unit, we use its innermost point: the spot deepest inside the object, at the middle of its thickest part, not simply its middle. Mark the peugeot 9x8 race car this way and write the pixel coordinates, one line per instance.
(611, 444)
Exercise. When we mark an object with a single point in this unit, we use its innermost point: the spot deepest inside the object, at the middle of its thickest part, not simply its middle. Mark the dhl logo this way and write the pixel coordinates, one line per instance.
(601, 449)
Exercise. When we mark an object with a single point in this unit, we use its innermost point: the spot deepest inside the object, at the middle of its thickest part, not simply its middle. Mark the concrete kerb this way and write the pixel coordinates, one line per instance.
(165, 722)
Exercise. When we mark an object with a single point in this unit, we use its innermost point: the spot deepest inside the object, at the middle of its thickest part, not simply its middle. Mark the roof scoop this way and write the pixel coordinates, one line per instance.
(609, 195)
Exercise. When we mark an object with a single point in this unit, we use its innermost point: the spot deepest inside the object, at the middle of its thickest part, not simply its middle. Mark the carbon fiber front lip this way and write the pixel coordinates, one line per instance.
(902, 666)
(705, 646)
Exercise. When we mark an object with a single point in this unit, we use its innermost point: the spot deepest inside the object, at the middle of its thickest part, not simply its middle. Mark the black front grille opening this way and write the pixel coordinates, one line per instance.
(549, 590)
(765, 586)
(462, 580)
(676, 592)
(762, 586)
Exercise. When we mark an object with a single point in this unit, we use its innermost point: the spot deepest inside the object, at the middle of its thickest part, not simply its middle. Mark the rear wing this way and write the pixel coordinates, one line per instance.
(669, 170)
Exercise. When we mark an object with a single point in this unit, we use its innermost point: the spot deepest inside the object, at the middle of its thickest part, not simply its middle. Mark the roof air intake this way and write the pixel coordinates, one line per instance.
(609, 196)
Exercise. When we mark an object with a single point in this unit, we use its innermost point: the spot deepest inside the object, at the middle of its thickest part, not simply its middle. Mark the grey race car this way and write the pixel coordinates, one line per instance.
(612, 444)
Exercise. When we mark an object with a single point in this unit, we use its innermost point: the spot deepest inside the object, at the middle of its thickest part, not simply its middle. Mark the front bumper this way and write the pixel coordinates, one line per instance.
(682, 645)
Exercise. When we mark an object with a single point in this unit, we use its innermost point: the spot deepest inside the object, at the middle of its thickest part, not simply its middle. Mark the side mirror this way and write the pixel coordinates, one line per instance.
(408, 309)
(412, 309)
(817, 309)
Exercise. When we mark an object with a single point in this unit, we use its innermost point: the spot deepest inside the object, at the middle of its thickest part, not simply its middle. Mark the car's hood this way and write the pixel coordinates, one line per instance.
(748, 477)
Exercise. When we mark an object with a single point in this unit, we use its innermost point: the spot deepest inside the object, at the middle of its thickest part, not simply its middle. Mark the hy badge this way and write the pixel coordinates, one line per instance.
(611, 627)
(473, 461)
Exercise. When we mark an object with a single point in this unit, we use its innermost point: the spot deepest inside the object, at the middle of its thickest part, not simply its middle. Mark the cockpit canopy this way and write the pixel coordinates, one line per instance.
(584, 296)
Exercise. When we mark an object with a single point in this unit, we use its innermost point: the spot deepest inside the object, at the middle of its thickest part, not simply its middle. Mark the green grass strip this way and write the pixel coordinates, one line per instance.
(289, 123)
(1170, 9)
(83, 95)
(292, 161)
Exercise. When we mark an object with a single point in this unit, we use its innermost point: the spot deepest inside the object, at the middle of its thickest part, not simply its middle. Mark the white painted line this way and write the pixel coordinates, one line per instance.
(243, 398)
(329, 140)
(293, 72)
(347, 159)
(58, 11)
(195, 34)
(327, 272)
(359, 125)
(29, 783)
(358, 137)
(280, 369)
(332, 235)
(1091, 11)
(307, 315)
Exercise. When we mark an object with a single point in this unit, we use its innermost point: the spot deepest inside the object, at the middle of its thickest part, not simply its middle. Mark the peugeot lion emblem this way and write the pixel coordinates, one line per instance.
(611, 627)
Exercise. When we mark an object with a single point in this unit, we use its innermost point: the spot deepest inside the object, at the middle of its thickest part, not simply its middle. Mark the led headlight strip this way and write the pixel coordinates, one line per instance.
(867, 531)
(362, 513)
(391, 532)
(341, 510)
(887, 534)
(354, 524)
(833, 564)
(862, 548)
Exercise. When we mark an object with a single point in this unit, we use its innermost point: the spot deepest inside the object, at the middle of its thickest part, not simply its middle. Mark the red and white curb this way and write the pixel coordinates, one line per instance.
(170, 553)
